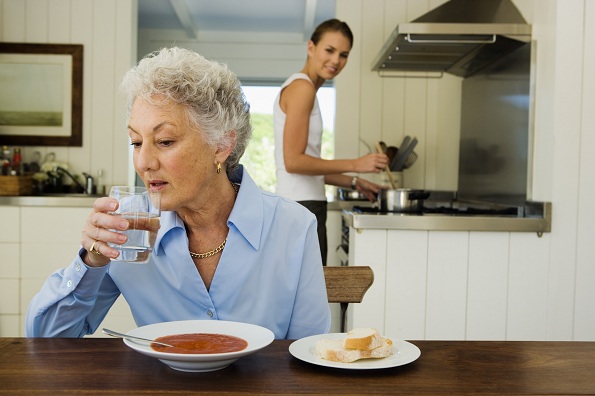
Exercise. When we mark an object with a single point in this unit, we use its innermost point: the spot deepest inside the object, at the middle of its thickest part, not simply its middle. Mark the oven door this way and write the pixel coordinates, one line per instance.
(343, 248)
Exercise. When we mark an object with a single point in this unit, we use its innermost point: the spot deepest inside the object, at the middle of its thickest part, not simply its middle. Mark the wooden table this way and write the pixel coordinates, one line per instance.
(102, 366)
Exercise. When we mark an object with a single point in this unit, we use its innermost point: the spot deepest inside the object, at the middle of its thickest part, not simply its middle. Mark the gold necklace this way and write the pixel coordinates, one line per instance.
(219, 248)
(210, 252)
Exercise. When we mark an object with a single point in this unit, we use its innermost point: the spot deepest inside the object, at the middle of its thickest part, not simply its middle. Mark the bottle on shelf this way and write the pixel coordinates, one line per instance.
(5, 161)
(17, 161)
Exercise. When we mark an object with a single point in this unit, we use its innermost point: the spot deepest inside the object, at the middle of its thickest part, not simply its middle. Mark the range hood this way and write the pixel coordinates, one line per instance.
(459, 37)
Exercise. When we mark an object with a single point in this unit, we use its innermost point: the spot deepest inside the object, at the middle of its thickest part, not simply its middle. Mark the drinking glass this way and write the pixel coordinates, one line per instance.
(142, 209)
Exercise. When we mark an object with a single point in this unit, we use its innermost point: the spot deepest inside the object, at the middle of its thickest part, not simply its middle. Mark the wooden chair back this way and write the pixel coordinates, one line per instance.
(347, 284)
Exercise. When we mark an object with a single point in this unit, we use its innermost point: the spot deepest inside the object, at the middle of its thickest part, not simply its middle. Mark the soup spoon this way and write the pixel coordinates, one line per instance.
(129, 337)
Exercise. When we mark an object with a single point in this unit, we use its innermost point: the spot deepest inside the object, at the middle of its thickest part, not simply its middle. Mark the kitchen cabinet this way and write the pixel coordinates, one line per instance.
(458, 285)
(41, 240)
(45, 236)
(9, 271)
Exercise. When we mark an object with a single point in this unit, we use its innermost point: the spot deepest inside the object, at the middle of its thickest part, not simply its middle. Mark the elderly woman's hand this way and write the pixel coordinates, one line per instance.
(96, 234)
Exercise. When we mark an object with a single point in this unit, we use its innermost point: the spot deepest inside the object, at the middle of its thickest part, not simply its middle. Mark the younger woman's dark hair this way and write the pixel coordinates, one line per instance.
(332, 25)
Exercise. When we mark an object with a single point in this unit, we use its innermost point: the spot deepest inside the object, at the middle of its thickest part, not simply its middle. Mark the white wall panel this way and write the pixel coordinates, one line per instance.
(104, 85)
(41, 259)
(41, 224)
(10, 260)
(487, 286)
(544, 33)
(406, 288)
(370, 128)
(584, 315)
(9, 325)
(37, 29)
(125, 55)
(348, 86)
(416, 105)
(565, 197)
(392, 89)
(13, 21)
(370, 312)
(447, 285)
(81, 22)
(11, 220)
(59, 17)
(528, 287)
(9, 290)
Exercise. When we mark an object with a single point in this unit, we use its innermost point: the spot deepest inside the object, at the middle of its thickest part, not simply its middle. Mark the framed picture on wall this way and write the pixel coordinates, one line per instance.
(41, 99)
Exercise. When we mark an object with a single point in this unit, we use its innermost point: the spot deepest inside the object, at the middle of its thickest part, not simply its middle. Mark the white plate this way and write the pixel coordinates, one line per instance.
(256, 336)
(305, 349)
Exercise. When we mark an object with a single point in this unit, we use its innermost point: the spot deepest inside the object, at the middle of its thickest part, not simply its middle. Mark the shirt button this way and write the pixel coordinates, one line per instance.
(69, 283)
(210, 313)
(78, 267)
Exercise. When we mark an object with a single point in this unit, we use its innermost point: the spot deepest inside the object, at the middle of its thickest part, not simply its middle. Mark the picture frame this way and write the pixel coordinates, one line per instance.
(41, 102)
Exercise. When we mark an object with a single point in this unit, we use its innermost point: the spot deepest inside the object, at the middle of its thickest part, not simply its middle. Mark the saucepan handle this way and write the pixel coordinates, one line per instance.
(419, 195)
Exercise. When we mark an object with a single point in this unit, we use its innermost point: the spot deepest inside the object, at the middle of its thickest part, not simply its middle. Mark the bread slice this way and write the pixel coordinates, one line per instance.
(333, 350)
(364, 339)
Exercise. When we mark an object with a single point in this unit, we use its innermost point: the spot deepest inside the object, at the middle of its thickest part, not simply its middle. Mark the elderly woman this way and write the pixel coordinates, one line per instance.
(225, 250)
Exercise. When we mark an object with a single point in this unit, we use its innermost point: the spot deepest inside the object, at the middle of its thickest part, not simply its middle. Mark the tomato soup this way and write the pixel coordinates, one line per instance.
(204, 343)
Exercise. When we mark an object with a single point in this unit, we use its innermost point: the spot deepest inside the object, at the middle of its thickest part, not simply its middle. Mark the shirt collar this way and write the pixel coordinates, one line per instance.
(247, 215)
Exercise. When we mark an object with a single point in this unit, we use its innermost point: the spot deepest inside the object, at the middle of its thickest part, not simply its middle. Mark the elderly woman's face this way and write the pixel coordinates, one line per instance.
(170, 156)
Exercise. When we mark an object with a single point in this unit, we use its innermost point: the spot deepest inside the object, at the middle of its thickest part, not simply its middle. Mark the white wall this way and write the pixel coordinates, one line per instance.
(107, 30)
(374, 108)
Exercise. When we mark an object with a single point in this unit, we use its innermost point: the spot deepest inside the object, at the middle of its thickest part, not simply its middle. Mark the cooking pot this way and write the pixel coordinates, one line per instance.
(401, 200)
(350, 195)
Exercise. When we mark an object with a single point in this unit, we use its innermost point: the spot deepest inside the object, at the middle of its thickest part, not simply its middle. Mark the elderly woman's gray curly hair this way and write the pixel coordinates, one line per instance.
(210, 92)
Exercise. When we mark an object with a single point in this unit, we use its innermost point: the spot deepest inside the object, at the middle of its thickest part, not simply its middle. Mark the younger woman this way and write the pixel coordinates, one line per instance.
(301, 173)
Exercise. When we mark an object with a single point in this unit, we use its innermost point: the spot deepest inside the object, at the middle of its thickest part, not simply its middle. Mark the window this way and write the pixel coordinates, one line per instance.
(259, 158)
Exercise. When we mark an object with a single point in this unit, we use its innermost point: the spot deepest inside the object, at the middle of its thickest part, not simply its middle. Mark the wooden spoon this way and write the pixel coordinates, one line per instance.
(390, 175)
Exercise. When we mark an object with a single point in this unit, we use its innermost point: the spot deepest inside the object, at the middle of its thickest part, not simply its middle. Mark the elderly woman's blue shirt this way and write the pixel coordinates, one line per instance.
(269, 274)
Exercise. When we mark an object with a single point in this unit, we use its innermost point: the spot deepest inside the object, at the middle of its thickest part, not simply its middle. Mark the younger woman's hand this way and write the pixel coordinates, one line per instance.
(371, 163)
(369, 189)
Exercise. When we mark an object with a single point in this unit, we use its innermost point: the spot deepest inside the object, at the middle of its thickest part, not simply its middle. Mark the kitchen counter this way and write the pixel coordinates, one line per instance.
(537, 218)
(71, 200)
(347, 205)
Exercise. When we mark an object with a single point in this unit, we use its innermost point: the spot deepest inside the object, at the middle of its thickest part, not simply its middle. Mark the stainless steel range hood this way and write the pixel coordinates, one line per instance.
(459, 37)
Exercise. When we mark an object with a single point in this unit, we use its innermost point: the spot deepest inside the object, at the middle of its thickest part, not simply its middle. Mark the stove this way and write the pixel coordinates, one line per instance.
(450, 210)
(444, 212)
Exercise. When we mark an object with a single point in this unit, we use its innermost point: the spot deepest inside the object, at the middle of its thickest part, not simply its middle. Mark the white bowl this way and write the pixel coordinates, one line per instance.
(257, 337)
